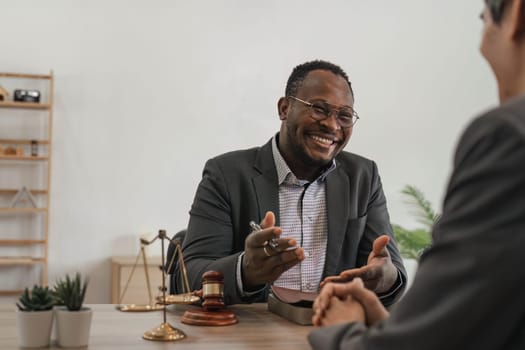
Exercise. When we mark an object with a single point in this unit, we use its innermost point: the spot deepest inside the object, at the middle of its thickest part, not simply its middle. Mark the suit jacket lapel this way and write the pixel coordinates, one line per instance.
(337, 202)
(265, 182)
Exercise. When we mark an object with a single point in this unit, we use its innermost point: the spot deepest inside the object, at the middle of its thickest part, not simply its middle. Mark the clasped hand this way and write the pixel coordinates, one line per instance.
(262, 263)
(347, 302)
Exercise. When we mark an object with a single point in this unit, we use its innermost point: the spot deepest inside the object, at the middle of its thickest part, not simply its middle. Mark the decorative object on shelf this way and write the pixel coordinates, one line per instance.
(165, 331)
(34, 148)
(34, 318)
(412, 243)
(19, 196)
(11, 151)
(73, 321)
(3, 94)
(22, 95)
(213, 312)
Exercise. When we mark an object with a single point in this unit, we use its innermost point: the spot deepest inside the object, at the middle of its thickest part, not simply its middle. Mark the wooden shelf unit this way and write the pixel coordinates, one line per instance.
(3, 157)
(40, 238)
(5, 293)
(16, 261)
(22, 210)
(22, 142)
(13, 191)
(7, 242)
(25, 105)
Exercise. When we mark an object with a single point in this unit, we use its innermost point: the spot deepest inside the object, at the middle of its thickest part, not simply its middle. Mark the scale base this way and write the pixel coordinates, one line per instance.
(164, 332)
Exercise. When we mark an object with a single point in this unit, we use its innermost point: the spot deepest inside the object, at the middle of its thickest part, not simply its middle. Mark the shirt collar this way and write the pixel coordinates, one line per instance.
(283, 170)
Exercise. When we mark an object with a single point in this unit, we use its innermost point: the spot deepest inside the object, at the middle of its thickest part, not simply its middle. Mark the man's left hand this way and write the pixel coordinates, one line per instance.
(379, 274)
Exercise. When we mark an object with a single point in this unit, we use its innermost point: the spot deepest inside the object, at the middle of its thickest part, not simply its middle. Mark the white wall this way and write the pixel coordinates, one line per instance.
(146, 91)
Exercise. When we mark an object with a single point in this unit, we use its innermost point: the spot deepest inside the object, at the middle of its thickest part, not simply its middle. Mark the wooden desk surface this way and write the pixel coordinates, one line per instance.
(111, 329)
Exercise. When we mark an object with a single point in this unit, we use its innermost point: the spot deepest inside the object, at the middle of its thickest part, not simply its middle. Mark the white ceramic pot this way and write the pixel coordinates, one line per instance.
(72, 327)
(34, 328)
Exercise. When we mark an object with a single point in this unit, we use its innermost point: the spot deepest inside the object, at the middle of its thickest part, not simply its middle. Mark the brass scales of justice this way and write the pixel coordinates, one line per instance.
(212, 313)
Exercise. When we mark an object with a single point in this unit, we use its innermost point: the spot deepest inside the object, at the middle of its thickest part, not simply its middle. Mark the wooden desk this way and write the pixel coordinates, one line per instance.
(112, 329)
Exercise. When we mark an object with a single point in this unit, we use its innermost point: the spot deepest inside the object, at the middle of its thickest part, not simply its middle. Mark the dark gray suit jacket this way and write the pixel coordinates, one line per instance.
(241, 186)
(467, 293)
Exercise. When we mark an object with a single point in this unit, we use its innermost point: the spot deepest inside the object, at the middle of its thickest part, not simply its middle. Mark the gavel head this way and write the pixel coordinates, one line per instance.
(212, 290)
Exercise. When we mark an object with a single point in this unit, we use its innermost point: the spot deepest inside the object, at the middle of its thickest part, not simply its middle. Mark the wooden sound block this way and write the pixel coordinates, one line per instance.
(200, 317)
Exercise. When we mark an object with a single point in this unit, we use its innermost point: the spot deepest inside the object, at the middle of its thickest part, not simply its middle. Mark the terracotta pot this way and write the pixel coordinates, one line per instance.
(72, 327)
(34, 328)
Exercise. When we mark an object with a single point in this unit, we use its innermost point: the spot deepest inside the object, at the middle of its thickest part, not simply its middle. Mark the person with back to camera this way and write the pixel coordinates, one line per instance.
(321, 210)
(467, 291)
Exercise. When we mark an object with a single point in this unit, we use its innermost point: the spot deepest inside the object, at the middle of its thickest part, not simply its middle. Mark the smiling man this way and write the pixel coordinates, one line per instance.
(322, 211)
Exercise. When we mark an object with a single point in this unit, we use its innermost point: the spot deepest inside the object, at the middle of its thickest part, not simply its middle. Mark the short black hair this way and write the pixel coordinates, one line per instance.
(301, 71)
(496, 8)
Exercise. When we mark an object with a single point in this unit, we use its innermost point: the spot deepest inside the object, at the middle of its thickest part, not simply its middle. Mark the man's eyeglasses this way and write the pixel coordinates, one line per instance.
(346, 117)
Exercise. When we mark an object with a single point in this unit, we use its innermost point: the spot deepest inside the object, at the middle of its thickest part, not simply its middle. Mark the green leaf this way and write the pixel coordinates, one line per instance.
(40, 299)
(71, 292)
(411, 243)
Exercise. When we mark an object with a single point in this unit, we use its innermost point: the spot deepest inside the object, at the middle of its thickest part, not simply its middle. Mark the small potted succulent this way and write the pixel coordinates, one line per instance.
(73, 320)
(35, 317)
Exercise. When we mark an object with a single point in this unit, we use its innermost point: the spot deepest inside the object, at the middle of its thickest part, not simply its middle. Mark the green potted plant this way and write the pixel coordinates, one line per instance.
(35, 317)
(73, 320)
(413, 242)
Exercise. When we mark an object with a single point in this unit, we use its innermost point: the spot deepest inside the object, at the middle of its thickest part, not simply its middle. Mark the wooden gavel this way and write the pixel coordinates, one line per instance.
(213, 312)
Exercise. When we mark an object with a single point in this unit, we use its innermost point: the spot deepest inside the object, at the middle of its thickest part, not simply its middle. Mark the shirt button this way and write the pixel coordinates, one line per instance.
(306, 254)
(308, 286)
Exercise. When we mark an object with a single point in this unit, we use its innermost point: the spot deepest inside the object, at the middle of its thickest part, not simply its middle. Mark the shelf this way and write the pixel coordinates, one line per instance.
(24, 105)
(4, 242)
(23, 142)
(4, 293)
(16, 261)
(7, 191)
(26, 76)
(22, 210)
(4, 157)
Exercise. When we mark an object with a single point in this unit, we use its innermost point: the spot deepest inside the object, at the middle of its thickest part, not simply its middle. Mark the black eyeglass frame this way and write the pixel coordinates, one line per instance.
(322, 112)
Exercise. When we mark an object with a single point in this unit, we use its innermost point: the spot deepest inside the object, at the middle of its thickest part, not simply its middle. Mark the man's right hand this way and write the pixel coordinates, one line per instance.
(262, 263)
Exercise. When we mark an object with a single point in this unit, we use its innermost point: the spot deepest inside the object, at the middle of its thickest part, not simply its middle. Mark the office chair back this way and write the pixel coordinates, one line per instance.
(172, 254)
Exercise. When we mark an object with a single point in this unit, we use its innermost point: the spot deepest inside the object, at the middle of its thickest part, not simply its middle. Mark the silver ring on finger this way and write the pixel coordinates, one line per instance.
(265, 248)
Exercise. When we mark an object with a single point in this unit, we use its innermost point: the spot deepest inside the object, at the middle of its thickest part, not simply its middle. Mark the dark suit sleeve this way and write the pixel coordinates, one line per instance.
(467, 291)
(377, 224)
(209, 241)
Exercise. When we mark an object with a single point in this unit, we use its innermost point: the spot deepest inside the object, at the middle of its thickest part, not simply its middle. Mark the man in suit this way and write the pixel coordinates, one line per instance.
(322, 210)
(467, 291)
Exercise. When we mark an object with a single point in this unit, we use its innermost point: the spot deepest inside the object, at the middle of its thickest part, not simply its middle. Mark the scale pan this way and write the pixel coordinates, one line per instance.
(138, 308)
(186, 298)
